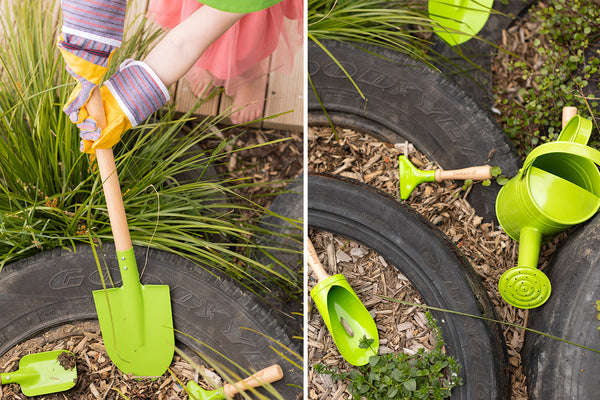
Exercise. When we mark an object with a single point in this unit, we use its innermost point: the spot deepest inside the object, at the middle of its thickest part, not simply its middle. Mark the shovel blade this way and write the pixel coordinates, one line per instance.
(336, 301)
(43, 373)
(139, 342)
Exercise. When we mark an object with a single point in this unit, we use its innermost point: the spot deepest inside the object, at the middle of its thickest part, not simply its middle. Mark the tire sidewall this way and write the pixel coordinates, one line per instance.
(407, 101)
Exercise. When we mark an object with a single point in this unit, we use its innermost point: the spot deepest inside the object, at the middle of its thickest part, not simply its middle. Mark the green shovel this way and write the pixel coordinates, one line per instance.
(346, 317)
(459, 20)
(135, 319)
(43, 373)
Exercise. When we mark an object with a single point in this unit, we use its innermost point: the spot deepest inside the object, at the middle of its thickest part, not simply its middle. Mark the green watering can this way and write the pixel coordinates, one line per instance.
(558, 187)
(459, 20)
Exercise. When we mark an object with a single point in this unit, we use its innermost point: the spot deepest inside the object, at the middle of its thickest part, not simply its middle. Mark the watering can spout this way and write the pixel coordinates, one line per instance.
(530, 242)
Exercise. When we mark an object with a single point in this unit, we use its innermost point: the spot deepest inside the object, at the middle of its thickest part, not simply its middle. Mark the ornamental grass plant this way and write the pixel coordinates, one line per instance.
(51, 194)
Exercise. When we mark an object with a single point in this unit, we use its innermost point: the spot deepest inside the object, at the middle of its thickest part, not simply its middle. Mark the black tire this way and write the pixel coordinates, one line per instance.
(289, 204)
(554, 369)
(408, 101)
(432, 263)
(55, 288)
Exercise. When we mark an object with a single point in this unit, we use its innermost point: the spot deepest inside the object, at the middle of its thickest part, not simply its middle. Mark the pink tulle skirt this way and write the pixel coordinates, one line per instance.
(243, 52)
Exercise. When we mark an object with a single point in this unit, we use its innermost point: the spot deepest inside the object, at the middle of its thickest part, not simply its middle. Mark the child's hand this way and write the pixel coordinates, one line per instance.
(90, 34)
(129, 97)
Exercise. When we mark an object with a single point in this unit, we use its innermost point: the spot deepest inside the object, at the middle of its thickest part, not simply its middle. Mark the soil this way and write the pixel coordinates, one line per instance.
(66, 360)
(488, 248)
(98, 378)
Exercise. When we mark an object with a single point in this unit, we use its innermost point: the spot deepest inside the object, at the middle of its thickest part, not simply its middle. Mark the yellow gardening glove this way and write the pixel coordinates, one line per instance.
(90, 33)
(129, 97)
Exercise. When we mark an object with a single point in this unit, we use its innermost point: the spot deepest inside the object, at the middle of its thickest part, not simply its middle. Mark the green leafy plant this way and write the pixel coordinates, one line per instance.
(424, 375)
(566, 74)
(496, 173)
(50, 193)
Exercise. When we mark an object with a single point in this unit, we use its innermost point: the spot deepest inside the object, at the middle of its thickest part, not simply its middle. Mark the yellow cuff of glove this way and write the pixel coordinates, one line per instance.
(118, 123)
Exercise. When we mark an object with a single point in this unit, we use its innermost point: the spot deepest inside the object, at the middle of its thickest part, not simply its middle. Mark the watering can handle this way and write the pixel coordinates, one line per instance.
(110, 179)
(315, 264)
(576, 130)
(576, 149)
(567, 114)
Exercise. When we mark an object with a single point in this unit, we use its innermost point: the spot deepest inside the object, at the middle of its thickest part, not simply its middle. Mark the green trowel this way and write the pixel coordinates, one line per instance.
(44, 373)
(345, 316)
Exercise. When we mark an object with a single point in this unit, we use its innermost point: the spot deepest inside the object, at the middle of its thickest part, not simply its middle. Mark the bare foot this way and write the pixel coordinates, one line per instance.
(250, 101)
(201, 81)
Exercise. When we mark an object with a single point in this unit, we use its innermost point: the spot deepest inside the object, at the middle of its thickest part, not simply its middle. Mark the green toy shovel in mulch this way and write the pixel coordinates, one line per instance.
(346, 317)
(44, 373)
(459, 20)
(135, 319)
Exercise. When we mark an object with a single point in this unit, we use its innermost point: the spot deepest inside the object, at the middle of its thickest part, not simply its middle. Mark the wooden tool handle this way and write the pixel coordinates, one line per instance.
(567, 114)
(315, 264)
(267, 375)
(476, 173)
(110, 179)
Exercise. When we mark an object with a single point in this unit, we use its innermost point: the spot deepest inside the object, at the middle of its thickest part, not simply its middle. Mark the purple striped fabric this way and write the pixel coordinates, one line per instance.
(72, 109)
(90, 50)
(138, 90)
(98, 20)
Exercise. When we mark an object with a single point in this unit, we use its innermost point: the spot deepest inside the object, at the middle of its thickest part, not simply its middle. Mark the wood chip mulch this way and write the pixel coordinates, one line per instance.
(270, 164)
(402, 328)
(98, 377)
(489, 249)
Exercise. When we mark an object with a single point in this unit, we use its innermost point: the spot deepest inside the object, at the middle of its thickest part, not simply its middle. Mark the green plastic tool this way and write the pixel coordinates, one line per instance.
(558, 187)
(267, 375)
(346, 317)
(459, 20)
(410, 176)
(135, 319)
(44, 373)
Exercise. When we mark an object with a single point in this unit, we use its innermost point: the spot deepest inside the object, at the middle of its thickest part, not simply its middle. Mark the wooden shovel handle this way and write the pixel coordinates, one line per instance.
(476, 173)
(268, 375)
(110, 179)
(567, 114)
(315, 264)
